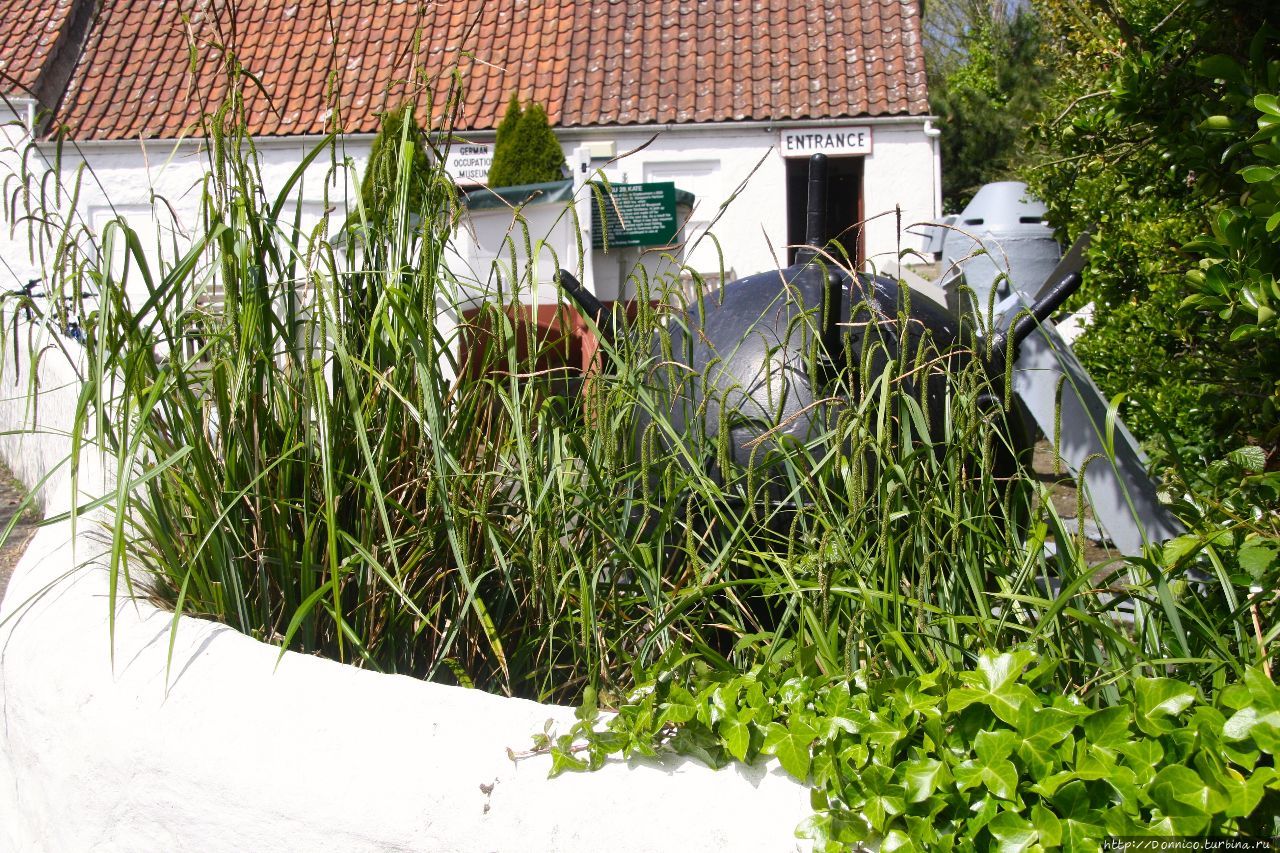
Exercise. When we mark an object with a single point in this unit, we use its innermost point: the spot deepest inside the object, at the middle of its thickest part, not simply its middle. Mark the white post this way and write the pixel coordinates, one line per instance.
(584, 198)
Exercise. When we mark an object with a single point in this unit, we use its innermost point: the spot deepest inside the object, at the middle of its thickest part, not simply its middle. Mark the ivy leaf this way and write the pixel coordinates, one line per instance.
(883, 799)
(883, 731)
(854, 754)
(930, 833)
(679, 707)
(562, 760)
(1081, 823)
(922, 777)
(1049, 725)
(1049, 785)
(1108, 726)
(1184, 798)
(1264, 692)
(998, 777)
(1094, 762)
(736, 734)
(994, 746)
(697, 741)
(1243, 801)
(1042, 729)
(790, 744)
(840, 713)
(838, 830)
(911, 700)
(1047, 825)
(1158, 699)
(880, 808)
(896, 839)
(1250, 723)
(1119, 822)
(995, 685)
(982, 813)
(796, 692)
(1125, 783)
(1013, 832)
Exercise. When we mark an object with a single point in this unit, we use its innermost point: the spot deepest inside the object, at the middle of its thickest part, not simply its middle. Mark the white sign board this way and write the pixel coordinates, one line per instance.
(807, 141)
(468, 162)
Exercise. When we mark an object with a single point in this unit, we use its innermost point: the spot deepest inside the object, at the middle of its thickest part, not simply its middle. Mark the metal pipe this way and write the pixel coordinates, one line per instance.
(1050, 300)
(587, 303)
(815, 221)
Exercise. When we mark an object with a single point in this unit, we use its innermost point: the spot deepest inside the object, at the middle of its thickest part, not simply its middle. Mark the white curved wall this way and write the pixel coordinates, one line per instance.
(237, 748)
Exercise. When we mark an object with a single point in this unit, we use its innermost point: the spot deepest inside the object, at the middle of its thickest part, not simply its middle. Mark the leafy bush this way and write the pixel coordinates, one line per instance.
(993, 757)
(1143, 140)
(526, 150)
(984, 85)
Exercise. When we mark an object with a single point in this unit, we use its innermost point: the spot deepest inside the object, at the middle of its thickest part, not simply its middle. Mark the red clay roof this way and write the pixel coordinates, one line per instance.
(30, 34)
(591, 62)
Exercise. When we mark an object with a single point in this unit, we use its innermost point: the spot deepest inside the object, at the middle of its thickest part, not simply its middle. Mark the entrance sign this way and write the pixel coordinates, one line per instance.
(634, 215)
(468, 162)
(807, 141)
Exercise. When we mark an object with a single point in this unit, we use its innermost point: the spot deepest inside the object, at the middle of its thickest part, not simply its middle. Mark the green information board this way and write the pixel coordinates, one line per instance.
(634, 215)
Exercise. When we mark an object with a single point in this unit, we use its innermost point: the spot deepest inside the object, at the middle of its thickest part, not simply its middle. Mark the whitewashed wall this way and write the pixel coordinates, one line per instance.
(226, 745)
(157, 186)
(752, 229)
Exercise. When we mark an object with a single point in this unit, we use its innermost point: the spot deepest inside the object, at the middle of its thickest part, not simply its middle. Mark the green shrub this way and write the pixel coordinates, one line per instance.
(526, 150)
(1145, 138)
(398, 132)
(994, 757)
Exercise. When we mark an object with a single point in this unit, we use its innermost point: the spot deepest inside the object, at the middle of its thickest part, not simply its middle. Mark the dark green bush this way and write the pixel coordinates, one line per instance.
(994, 757)
(526, 150)
(1145, 139)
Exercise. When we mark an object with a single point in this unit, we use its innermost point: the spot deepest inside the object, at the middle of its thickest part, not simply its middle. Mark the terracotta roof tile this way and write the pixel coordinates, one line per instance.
(31, 35)
(590, 62)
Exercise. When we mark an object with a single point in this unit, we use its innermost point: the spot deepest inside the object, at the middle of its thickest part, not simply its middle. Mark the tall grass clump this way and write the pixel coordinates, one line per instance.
(331, 444)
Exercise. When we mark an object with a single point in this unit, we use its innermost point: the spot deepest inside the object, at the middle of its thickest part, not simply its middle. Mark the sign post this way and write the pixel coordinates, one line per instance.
(468, 162)
(832, 141)
(634, 215)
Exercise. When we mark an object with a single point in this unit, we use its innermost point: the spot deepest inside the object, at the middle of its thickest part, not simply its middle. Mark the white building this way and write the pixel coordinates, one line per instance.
(724, 99)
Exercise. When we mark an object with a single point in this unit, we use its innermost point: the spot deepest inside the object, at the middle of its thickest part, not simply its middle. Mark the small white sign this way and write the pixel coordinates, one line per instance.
(468, 162)
(807, 141)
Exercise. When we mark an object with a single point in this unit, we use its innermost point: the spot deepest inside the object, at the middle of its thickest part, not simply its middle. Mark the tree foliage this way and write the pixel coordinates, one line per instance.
(526, 150)
(985, 79)
(1154, 134)
(399, 135)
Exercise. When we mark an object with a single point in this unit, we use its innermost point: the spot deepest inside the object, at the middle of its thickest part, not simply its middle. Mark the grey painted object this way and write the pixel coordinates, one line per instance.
(999, 239)
(1122, 494)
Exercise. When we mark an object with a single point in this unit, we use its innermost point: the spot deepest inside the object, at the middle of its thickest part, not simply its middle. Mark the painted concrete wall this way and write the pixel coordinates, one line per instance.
(157, 188)
(742, 166)
(226, 745)
(736, 173)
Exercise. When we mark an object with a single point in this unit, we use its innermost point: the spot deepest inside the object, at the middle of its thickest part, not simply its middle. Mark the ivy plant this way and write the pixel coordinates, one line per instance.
(981, 759)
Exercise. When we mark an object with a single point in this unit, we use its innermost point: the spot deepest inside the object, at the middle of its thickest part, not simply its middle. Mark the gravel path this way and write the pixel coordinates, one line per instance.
(11, 494)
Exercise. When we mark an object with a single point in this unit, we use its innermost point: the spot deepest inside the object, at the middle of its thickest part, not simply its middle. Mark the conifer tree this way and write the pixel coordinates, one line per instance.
(379, 188)
(526, 150)
(510, 119)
